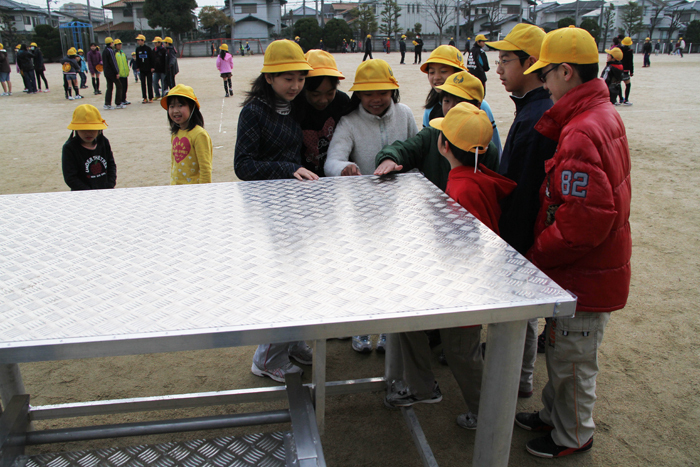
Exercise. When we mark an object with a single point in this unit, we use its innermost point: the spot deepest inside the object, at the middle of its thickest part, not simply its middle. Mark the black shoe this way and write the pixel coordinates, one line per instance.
(434, 338)
(99, 92)
(541, 342)
(531, 422)
(525, 394)
(546, 447)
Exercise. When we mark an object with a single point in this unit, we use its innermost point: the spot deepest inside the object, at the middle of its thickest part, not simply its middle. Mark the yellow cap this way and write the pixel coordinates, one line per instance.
(33, 44)
(628, 41)
(223, 47)
(466, 127)
(117, 41)
(464, 85)
(1, 46)
(19, 46)
(369, 36)
(133, 53)
(647, 39)
(108, 40)
(87, 117)
(566, 45)
(323, 64)
(296, 38)
(480, 37)
(157, 39)
(403, 36)
(179, 90)
(616, 53)
(447, 55)
(70, 52)
(525, 37)
(374, 75)
(80, 51)
(284, 55)
(140, 37)
(168, 40)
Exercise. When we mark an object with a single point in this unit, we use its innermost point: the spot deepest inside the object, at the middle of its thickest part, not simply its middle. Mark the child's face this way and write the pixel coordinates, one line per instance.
(438, 73)
(322, 96)
(178, 112)
(92, 47)
(87, 136)
(449, 101)
(611, 58)
(510, 72)
(288, 85)
(375, 102)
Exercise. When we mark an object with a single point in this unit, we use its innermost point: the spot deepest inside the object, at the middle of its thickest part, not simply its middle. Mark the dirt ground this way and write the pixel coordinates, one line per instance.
(648, 408)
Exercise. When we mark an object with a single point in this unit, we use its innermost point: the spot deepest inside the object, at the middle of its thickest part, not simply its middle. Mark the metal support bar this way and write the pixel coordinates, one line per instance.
(499, 393)
(203, 399)
(157, 427)
(419, 439)
(10, 382)
(306, 435)
(13, 429)
(318, 379)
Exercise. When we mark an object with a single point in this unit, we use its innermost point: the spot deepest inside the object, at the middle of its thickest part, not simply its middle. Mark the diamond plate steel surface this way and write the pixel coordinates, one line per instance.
(260, 449)
(170, 261)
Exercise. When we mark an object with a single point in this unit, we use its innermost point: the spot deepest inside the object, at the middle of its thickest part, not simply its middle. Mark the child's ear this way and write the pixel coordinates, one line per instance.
(268, 78)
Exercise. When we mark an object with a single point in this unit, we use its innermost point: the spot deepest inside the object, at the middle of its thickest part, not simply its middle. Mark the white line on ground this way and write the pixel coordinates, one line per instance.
(221, 121)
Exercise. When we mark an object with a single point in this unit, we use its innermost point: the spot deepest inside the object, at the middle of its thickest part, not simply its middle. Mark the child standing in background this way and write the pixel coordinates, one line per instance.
(70, 72)
(134, 68)
(191, 155)
(375, 119)
(94, 60)
(123, 65)
(87, 160)
(224, 63)
(83, 69)
(269, 147)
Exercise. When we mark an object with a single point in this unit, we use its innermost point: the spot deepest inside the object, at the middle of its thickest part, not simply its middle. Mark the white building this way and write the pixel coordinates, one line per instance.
(255, 19)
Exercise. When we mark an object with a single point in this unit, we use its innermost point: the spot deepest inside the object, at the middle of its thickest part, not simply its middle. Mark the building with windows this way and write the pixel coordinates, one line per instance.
(26, 17)
(255, 19)
(80, 10)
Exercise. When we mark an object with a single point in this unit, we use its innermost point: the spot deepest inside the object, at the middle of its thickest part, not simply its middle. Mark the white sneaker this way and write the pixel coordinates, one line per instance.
(5, 94)
(46, 90)
(467, 420)
(120, 106)
(107, 107)
(277, 374)
(302, 354)
(361, 344)
(78, 97)
(70, 98)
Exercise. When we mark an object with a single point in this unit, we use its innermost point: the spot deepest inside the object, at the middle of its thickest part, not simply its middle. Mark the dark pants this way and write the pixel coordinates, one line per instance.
(125, 86)
(367, 53)
(39, 77)
(403, 56)
(31, 80)
(647, 62)
(417, 58)
(169, 77)
(147, 84)
(83, 80)
(116, 84)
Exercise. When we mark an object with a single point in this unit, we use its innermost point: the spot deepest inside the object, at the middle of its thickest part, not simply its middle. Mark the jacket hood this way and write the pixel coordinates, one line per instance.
(501, 185)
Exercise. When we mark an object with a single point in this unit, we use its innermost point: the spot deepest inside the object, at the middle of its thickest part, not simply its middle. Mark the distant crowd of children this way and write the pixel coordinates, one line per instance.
(558, 192)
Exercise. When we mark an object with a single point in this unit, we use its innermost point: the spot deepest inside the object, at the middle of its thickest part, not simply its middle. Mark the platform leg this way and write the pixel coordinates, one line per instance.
(318, 378)
(10, 382)
(499, 393)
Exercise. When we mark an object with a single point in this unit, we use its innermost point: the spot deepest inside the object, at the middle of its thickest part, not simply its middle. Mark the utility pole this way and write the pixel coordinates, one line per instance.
(576, 20)
(103, 9)
(92, 28)
(230, 9)
(48, 7)
(316, 8)
(459, 20)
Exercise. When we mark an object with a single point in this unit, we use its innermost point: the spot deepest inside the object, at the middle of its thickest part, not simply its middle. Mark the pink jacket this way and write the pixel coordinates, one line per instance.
(225, 65)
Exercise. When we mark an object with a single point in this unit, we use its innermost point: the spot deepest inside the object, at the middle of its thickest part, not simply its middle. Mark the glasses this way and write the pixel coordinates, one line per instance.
(505, 62)
(543, 76)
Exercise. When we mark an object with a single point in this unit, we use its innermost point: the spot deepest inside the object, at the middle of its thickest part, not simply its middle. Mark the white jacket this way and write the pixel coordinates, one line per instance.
(360, 135)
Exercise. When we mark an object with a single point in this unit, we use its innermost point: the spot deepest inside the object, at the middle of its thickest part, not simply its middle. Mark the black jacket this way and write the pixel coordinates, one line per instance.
(74, 65)
(25, 59)
(477, 63)
(646, 48)
(85, 169)
(368, 44)
(522, 161)
(144, 58)
(4, 63)
(419, 46)
(627, 59)
(38, 60)
(402, 45)
(160, 59)
(109, 63)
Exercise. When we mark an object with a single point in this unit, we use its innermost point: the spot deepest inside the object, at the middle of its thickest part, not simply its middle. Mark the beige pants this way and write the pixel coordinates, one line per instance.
(572, 367)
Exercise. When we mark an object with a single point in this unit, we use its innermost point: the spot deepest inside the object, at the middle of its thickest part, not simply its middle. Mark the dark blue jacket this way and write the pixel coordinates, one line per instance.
(523, 162)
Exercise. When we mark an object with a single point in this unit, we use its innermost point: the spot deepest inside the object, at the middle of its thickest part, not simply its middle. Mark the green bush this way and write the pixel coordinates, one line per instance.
(336, 30)
(309, 32)
(49, 41)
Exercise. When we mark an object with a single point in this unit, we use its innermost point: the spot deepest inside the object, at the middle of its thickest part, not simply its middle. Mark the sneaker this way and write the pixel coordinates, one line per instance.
(531, 422)
(120, 106)
(406, 399)
(78, 97)
(150, 101)
(277, 374)
(4, 94)
(546, 447)
(361, 344)
(226, 95)
(47, 90)
(145, 101)
(381, 343)
(302, 354)
(99, 92)
(617, 103)
(81, 87)
(467, 421)
(70, 98)
(525, 394)
(126, 103)
(627, 103)
(107, 107)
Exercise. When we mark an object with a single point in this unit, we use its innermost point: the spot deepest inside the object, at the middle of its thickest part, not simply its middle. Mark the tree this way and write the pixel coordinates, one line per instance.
(591, 25)
(566, 22)
(493, 12)
(656, 18)
(213, 19)
(417, 28)
(9, 33)
(390, 18)
(608, 21)
(309, 32)
(631, 19)
(49, 41)
(693, 32)
(675, 17)
(366, 22)
(441, 12)
(335, 31)
(177, 16)
(466, 12)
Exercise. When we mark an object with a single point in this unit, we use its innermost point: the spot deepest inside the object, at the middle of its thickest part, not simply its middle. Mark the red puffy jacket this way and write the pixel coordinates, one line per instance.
(582, 235)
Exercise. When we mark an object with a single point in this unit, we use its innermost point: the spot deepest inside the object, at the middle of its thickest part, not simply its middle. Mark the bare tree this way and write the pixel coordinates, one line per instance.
(441, 12)
(675, 17)
(466, 10)
(608, 19)
(493, 11)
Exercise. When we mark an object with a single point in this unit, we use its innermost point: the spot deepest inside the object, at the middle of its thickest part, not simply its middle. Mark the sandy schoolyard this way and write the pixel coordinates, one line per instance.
(648, 409)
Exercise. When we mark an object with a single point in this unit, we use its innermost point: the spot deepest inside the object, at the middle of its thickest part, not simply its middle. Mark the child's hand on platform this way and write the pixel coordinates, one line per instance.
(386, 166)
(305, 174)
(350, 169)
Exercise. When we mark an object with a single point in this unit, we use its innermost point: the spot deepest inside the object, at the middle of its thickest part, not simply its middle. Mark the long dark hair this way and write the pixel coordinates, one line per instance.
(262, 90)
(222, 54)
(355, 100)
(196, 117)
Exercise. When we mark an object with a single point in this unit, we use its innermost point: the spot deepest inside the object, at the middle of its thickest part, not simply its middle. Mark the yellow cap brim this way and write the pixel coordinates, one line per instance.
(383, 86)
(325, 72)
(538, 64)
(457, 91)
(283, 67)
(503, 45)
(442, 61)
(164, 101)
(88, 126)
(437, 123)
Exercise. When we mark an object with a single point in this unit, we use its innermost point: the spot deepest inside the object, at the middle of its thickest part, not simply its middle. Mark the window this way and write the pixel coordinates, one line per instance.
(512, 9)
(128, 12)
(417, 9)
(27, 20)
(248, 8)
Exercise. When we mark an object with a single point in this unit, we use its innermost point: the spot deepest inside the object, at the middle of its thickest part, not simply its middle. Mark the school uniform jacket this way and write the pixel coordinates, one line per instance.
(582, 234)
(109, 63)
(144, 59)
(94, 58)
(85, 169)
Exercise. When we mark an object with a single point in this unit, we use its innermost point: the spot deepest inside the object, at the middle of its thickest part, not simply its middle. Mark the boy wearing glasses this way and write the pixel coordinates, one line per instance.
(582, 235)
(523, 157)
